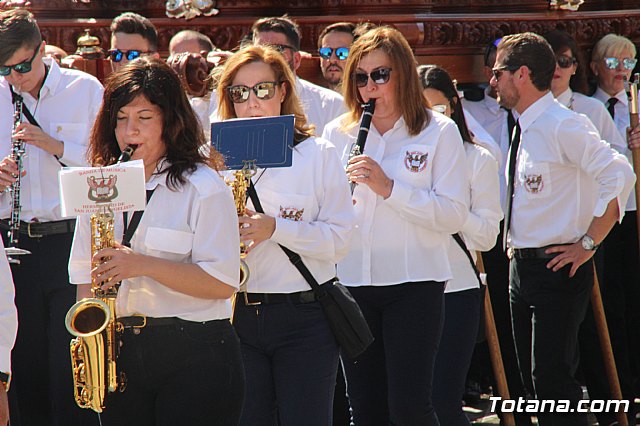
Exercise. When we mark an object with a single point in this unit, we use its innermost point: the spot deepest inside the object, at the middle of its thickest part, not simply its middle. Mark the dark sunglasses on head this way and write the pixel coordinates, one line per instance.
(627, 63)
(565, 61)
(378, 76)
(116, 55)
(497, 72)
(22, 67)
(264, 91)
(342, 53)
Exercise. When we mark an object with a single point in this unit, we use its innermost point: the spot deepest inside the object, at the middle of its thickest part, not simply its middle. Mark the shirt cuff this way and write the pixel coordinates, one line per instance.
(472, 225)
(400, 195)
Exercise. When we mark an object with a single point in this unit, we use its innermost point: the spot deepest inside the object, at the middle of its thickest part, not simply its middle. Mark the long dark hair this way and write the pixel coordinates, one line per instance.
(181, 130)
(434, 77)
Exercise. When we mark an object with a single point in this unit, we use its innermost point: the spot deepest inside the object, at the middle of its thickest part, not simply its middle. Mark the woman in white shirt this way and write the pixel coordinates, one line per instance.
(463, 298)
(183, 363)
(411, 196)
(290, 354)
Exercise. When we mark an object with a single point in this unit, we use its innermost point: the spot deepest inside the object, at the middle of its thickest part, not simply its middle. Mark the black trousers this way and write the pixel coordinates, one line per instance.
(497, 267)
(620, 288)
(547, 309)
(391, 382)
(184, 374)
(42, 387)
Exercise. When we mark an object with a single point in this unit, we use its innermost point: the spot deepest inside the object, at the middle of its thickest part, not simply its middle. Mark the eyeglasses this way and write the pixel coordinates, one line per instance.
(22, 67)
(264, 91)
(116, 55)
(627, 63)
(497, 72)
(565, 61)
(282, 47)
(342, 53)
(378, 76)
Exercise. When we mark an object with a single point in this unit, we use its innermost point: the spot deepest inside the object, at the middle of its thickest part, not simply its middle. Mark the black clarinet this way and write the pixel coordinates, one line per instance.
(358, 147)
(126, 154)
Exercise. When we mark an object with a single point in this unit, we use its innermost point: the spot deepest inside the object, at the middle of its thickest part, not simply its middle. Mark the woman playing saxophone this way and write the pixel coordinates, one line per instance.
(178, 350)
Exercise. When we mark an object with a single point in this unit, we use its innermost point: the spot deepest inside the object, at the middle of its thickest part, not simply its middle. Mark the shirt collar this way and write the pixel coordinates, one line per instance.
(603, 96)
(491, 103)
(536, 109)
(52, 79)
(565, 97)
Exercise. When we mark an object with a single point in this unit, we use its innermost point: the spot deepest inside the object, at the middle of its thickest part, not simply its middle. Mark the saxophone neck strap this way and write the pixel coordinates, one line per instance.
(130, 227)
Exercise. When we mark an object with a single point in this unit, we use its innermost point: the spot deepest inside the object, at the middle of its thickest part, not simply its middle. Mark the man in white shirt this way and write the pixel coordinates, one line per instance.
(59, 107)
(553, 222)
(8, 329)
(320, 104)
(132, 36)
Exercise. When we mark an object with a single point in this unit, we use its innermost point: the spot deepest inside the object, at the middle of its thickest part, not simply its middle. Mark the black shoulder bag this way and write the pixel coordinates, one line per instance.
(345, 318)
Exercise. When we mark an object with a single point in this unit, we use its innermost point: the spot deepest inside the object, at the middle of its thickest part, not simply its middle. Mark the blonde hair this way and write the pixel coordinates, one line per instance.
(283, 74)
(612, 45)
(410, 101)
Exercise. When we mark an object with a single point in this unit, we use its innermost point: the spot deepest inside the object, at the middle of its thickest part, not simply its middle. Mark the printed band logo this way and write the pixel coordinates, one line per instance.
(102, 190)
(533, 183)
(415, 161)
(291, 213)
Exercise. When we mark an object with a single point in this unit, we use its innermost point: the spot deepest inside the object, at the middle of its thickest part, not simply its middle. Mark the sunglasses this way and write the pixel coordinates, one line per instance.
(116, 55)
(379, 76)
(22, 67)
(497, 72)
(565, 61)
(264, 91)
(627, 63)
(342, 53)
(282, 47)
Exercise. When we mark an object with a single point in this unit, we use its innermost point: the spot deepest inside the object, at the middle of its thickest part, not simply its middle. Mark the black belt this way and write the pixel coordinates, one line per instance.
(41, 229)
(140, 321)
(251, 299)
(533, 253)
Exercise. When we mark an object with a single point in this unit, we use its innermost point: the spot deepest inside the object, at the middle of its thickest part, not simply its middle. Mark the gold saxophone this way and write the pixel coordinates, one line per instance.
(93, 322)
(239, 186)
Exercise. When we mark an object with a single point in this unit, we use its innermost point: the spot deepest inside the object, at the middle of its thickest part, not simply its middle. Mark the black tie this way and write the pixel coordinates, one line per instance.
(611, 106)
(511, 123)
(513, 154)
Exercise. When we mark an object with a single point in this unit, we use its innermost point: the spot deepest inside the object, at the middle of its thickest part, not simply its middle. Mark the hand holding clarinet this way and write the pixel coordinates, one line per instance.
(362, 168)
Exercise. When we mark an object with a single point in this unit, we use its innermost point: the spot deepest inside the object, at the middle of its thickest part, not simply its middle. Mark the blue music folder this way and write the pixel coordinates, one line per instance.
(264, 142)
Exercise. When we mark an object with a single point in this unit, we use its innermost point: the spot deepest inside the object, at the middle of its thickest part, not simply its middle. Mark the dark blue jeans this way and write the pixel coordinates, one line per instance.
(391, 383)
(186, 374)
(291, 360)
(547, 309)
(461, 320)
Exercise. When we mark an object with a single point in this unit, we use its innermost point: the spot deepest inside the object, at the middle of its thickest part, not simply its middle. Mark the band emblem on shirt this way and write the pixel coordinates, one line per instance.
(102, 189)
(291, 213)
(533, 183)
(415, 161)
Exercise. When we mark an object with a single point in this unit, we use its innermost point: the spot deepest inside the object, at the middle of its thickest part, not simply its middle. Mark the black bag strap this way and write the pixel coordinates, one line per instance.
(464, 248)
(294, 257)
(130, 228)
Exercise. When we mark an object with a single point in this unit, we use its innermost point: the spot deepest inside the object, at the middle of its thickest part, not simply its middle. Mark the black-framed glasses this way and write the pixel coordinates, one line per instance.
(264, 91)
(116, 55)
(565, 61)
(497, 72)
(282, 47)
(627, 63)
(378, 76)
(22, 67)
(342, 53)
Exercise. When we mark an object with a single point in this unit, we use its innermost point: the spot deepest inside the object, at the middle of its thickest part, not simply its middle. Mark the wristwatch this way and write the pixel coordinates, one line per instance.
(5, 379)
(588, 243)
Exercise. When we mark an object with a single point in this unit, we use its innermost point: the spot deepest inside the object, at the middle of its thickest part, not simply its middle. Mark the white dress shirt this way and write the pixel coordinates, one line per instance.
(561, 163)
(405, 237)
(483, 138)
(622, 121)
(493, 119)
(8, 313)
(311, 203)
(196, 224)
(321, 105)
(67, 107)
(481, 228)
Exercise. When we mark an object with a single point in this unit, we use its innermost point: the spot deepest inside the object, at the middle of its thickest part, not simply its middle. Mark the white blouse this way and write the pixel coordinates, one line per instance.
(195, 224)
(405, 237)
(8, 313)
(311, 203)
(482, 226)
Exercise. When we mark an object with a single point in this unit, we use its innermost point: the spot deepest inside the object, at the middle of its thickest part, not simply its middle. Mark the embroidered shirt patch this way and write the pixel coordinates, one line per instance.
(291, 213)
(415, 161)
